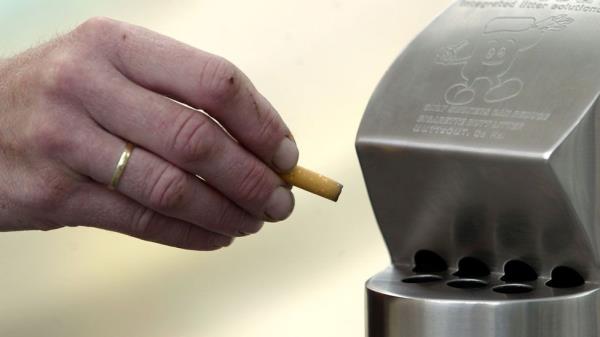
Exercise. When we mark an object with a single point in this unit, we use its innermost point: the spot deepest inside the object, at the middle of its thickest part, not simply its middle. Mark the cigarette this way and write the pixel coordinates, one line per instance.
(314, 183)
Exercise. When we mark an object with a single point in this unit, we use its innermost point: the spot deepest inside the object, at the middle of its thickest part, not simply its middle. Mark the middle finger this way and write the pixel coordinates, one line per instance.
(161, 186)
(191, 140)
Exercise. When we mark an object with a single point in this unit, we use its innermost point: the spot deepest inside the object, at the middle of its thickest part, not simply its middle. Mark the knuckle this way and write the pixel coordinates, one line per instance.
(143, 222)
(184, 238)
(269, 127)
(225, 217)
(50, 192)
(220, 80)
(97, 35)
(95, 27)
(234, 222)
(168, 191)
(49, 138)
(253, 188)
(195, 138)
(63, 73)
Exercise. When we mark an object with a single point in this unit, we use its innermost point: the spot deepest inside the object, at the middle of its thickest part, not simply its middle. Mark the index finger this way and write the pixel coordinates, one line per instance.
(203, 81)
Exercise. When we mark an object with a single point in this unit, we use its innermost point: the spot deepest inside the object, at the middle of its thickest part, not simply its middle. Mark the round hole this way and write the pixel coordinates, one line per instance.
(422, 279)
(514, 288)
(467, 283)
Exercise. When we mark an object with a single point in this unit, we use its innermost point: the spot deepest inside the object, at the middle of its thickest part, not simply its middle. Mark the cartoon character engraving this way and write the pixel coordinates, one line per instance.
(490, 58)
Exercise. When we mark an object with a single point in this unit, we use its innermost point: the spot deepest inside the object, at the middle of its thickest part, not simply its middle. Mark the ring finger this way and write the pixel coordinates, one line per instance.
(161, 186)
(192, 141)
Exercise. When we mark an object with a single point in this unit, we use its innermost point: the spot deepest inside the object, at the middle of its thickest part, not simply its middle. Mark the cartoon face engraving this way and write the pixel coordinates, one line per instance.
(490, 58)
(499, 52)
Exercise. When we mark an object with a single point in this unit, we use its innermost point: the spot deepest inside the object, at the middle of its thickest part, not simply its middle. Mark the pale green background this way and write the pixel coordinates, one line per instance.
(318, 62)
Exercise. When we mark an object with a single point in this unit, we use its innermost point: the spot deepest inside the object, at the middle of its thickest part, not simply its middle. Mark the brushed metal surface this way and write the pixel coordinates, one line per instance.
(481, 141)
(435, 310)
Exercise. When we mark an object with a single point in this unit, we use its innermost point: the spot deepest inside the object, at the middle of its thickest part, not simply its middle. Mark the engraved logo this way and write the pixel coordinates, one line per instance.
(490, 58)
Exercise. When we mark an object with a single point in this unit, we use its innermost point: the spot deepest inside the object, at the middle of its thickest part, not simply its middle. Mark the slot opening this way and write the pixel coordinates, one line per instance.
(427, 262)
(515, 288)
(422, 279)
(467, 283)
(516, 271)
(565, 277)
(470, 267)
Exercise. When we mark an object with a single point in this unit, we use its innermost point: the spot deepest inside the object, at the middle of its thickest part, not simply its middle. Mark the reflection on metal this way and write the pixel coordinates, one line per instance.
(481, 142)
(434, 309)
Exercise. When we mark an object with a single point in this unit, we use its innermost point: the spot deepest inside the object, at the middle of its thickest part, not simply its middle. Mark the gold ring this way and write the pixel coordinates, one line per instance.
(121, 165)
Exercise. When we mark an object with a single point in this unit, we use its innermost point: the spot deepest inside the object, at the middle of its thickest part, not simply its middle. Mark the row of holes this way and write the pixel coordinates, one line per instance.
(471, 269)
(510, 288)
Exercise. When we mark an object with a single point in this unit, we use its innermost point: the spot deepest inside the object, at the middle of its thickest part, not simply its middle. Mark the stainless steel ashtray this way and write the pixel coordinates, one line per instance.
(480, 147)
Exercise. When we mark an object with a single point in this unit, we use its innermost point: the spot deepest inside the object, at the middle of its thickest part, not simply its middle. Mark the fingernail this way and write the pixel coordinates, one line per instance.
(286, 156)
(291, 137)
(223, 241)
(280, 205)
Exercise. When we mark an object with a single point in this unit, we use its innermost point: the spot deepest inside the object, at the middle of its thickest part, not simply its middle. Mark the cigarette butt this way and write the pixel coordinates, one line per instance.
(313, 182)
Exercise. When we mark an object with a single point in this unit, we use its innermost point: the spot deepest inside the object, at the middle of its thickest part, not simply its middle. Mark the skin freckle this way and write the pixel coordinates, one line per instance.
(255, 104)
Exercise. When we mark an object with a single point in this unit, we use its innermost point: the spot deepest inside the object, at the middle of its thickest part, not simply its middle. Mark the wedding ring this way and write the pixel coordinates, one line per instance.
(121, 165)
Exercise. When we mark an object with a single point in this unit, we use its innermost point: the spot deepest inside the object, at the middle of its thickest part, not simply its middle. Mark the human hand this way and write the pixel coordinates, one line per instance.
(68, 107)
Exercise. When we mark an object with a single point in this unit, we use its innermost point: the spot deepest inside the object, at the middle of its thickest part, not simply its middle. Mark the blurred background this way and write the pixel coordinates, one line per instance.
(317, 61)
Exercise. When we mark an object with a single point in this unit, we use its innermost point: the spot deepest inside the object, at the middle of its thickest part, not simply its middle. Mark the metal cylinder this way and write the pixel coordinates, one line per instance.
(491, 309)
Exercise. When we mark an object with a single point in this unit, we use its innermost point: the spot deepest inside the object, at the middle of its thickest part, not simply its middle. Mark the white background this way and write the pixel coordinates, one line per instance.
(318, 61)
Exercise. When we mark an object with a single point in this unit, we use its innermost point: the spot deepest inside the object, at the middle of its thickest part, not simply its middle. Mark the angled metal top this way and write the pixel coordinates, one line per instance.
(481, 138)
(507, 80)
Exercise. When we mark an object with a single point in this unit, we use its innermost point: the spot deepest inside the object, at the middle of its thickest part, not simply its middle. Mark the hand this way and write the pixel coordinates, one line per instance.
(68, 107)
